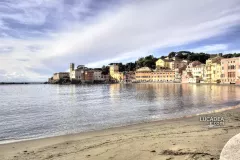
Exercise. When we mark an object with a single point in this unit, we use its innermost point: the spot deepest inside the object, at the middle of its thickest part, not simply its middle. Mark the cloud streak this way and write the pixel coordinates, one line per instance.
(211, 48)
(96, 34)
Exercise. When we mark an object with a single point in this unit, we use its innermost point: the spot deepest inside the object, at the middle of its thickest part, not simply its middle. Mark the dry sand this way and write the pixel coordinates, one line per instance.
(184, 138)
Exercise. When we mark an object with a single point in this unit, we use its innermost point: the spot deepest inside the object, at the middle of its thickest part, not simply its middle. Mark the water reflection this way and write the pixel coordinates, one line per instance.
(175, 98)
(46, 110)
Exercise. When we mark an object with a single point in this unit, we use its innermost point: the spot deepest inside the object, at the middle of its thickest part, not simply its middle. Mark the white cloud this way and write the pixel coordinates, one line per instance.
(122, 33)
(216, 48)
(32, 12)
(231, 51)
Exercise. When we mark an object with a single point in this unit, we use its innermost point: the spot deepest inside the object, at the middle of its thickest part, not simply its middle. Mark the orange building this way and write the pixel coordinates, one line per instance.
(163, 76)
(145, 74)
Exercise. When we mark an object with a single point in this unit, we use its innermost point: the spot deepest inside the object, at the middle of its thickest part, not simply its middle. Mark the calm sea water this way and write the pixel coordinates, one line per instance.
(34, 111)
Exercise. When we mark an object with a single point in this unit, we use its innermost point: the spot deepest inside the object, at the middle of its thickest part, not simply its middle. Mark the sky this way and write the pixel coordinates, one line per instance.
(41, 37)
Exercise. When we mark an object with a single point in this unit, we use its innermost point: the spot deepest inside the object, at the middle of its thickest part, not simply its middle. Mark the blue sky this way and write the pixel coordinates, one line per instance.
(40, 37)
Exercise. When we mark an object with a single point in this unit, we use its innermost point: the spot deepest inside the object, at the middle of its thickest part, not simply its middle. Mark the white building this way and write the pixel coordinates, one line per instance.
(77, 74)
(60, 75)
(98, 76)
(196, 70)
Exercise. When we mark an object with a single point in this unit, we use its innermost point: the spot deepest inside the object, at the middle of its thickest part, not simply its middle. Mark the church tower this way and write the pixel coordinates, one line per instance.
(71, 67)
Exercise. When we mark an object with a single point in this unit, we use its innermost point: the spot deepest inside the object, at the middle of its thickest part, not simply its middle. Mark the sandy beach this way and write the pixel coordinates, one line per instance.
(180, 139)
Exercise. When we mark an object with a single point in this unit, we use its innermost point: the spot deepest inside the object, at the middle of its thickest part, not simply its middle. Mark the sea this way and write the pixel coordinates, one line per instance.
(32, 111)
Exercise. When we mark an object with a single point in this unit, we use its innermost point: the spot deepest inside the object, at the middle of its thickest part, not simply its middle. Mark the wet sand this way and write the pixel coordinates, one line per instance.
(179, 139)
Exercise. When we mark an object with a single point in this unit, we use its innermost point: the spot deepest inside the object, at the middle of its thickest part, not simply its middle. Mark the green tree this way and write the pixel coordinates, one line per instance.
(148, 61)
(130, 66)
(171, 54)
(121, 67)
(139, 62)
(105, 70)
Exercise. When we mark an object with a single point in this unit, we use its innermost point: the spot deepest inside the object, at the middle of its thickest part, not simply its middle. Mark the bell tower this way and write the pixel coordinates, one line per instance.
(71, 67)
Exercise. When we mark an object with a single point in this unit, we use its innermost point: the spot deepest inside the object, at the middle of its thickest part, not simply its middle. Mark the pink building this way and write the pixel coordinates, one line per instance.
(185, 77)
(230, 70)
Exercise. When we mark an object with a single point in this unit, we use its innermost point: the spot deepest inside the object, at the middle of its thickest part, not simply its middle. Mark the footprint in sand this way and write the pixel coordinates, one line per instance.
(231, 150)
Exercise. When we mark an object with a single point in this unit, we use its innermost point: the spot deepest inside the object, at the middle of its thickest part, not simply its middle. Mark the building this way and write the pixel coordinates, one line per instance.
(186, 76)
(81, 74)
(172, 64)
(178, 64)
(194, 72)
(129, 77)
(115, 75)
(60, 75)
(99, 77)
(77, 74)
(163, 75)
(230, 70)
(143, 74)
(179, 72)
(213, 70)
(106, 77)
(163, 64)
(88, 76)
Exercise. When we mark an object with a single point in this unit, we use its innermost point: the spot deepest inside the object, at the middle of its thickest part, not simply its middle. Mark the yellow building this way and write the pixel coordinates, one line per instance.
(115, 75)
(170, 64)
(213, 70)
(163, 63)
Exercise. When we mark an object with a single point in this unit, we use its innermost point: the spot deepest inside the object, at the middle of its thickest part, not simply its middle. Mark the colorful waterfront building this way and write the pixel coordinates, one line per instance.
(230, 70)
(77, 74)
(172, 64)
(97, 73)
(88, 76)
(57, 77)
(115, 75)
(194, 72)
(185, 76)
(145, 74)
(163, 63)
(99, 77)
(164, 75)
(179, 73)
(60, 75)
(213, 70)
(81, 74)
(129, 77)
(178, 63)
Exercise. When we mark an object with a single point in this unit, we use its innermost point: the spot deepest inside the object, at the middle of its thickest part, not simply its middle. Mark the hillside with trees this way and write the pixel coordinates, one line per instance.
(150, 60)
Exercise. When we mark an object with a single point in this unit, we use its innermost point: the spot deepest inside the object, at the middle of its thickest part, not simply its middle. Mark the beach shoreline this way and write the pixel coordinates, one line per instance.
(166, 139)
(120, 127)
